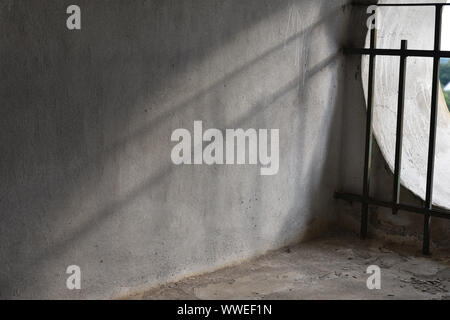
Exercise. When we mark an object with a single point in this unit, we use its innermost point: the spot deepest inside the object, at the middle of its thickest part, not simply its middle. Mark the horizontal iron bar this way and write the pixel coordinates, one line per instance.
(399, 52)
(438, 213)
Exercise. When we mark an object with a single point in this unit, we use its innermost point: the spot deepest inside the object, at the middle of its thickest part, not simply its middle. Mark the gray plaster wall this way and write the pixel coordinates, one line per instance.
(86, 118)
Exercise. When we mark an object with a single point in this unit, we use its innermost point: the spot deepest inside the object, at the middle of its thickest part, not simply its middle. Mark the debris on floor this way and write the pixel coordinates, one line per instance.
(332, 268)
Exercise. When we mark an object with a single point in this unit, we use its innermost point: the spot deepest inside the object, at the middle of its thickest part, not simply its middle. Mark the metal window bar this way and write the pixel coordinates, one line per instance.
(428, 210)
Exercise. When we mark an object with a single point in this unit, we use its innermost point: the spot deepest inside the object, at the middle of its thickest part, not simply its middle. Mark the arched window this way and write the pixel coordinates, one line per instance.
(414, 24)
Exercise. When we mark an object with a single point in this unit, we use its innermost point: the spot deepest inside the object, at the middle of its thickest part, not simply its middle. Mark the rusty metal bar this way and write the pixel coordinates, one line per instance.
(433, 125)
(398, 52)
(369, 136)
(434, 212)
(399, 135)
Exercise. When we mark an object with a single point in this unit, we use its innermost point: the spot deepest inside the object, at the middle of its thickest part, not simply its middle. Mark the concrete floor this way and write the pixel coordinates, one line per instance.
(332, 268)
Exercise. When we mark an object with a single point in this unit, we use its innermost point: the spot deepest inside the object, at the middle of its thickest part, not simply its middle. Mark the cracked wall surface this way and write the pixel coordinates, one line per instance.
(86, 117)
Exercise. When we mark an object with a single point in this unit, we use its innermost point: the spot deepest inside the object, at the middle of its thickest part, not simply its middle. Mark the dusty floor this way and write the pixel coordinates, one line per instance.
(334, 268)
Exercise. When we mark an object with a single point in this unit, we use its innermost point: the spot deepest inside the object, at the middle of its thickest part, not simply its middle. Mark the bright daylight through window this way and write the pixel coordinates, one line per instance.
(445, 62)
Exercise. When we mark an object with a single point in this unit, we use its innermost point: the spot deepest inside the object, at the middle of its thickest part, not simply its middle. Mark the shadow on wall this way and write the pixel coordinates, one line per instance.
(86, 176)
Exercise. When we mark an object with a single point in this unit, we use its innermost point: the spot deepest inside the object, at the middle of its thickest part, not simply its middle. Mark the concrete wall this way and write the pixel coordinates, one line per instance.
(86, 116)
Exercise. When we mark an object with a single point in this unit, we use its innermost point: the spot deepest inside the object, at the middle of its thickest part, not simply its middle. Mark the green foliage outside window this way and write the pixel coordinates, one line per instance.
(445, 78)
(447, 99)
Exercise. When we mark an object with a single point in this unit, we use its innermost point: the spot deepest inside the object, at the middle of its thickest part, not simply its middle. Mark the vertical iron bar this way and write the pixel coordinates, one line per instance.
(433, 122)
(369, 137)
(399, 135)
